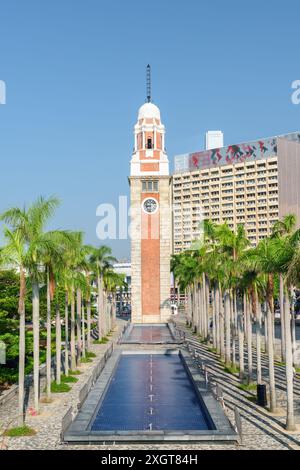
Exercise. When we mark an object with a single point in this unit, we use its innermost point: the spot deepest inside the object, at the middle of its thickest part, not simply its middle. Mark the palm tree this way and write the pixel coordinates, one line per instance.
(287, 251)
(88, 293)
(233, 244)
(31, 224)
(232, 269)
(264, 260)
(68, 275)
(14, 254)
(66, 332)
(252, 285)
(283, 228)
(87, 267)
(54, 258)
(82, 266)
(112, 282)
(101, 258)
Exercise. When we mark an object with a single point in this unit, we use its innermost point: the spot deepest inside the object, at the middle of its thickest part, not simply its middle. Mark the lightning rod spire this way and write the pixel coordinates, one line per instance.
(148, 73)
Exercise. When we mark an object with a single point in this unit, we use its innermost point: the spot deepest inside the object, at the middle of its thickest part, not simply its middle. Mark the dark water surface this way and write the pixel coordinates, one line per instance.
(151, 392)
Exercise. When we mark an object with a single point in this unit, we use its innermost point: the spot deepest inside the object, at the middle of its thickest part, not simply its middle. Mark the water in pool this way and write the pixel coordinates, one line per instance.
(150, 334)
(151, 392)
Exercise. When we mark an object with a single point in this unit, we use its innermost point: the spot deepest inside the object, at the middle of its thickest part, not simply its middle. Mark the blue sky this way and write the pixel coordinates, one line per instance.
(75, 77)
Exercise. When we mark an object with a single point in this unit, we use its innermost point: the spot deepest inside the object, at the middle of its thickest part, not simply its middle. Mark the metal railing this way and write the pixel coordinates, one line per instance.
(218, 392)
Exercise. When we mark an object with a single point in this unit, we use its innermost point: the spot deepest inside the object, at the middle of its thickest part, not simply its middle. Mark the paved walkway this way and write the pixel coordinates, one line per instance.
(260, 429)
(48, 422)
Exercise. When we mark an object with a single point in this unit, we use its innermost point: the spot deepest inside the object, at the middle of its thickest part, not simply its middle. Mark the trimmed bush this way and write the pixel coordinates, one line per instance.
(61, 388)
(84, 360)
(74, 372)
(104, 340)
(90, 354)
(247, 387)
(19, 431)
(68, 379)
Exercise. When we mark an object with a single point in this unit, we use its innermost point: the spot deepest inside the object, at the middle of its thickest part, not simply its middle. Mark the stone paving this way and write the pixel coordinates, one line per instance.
(261, 430)
(48, 422)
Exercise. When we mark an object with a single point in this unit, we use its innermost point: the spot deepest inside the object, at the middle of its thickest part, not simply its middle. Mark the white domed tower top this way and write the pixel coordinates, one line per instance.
(149, 154)
(149, 111)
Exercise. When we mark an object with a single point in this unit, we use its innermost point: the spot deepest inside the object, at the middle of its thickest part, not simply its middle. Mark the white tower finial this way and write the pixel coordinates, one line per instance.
(149, 154)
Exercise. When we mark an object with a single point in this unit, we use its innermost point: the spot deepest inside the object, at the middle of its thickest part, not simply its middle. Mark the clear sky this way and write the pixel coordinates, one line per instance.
(75, 77)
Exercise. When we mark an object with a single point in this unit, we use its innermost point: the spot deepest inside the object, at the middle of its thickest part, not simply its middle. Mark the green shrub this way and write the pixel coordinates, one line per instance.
(61, 388)
(231, 370)
(74, 372)
(213, 350)
(247, 387)
(20, 431)
(68, 379)
(90, 354)
(104, 340)
(84, 360)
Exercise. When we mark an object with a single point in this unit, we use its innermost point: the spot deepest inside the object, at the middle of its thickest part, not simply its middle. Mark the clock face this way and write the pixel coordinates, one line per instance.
(150, 205)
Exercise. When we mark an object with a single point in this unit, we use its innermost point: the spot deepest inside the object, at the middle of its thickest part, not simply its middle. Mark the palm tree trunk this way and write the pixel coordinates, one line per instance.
(83, 331)
(105, 315)
(245, 300)
(88, 312)
(194, 314)
(233, 327)
(258, 342)
(290, 419)
(36, 341)
(227, 329)
(190, 307)
(214, 319)
(199, 309)
(22, 346)
(79, 343)
(49, 339)
(206, 308)
(73, 349)
(203, 310)
(193, 319)
(241, 340)
(114, 312)
(266, 327)
(107, 310)
(222, 325)
(110, 315)
(249, 342)
(195, 311)
(273, 401)
(67, 335)
(58, 344)
(282, 315)
(100, 307)
(217, 297)
(196, 296)
(293, 327)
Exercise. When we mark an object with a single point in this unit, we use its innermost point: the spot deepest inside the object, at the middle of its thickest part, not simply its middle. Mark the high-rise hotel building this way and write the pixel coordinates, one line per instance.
(252, 183)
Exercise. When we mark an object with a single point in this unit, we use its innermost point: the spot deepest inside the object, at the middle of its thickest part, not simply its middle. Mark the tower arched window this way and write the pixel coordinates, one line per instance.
(149, 143)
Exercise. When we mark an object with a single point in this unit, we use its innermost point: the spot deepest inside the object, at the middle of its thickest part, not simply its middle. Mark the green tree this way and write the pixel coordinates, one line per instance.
(14, 254)
(30, 225)
(101, 259)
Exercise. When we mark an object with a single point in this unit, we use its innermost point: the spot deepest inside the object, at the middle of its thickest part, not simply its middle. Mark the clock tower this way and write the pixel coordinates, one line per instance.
(150, 212)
